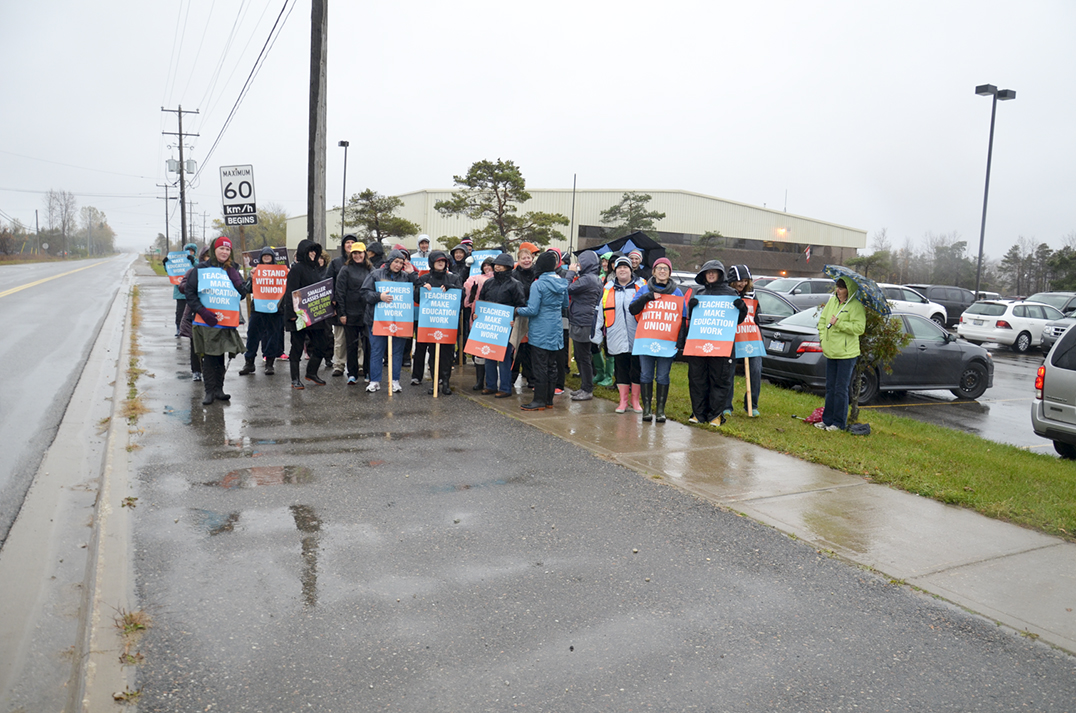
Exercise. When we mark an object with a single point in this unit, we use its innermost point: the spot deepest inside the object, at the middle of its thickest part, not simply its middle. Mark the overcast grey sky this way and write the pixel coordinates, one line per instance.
(863, 111)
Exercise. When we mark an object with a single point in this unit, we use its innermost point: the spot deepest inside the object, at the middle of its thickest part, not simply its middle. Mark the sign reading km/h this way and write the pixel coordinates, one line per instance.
(237, 190)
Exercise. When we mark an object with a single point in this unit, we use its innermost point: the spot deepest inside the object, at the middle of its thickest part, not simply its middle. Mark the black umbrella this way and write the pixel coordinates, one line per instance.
(650, 248)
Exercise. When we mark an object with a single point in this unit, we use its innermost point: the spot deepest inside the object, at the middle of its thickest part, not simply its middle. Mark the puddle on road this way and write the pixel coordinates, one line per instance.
(265, 475)
(182, 415)
(214, 522)
(308, 523)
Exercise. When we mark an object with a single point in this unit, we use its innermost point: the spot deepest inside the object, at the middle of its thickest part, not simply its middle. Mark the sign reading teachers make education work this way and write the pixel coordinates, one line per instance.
(176, 265)
(659, 326)
(313, 304)
(219, 296)
(748, 336)
(421, 264)
(438, 315)
(268, 283)
(490, 331)
(396, 318)
(712, 328)
(479, 256)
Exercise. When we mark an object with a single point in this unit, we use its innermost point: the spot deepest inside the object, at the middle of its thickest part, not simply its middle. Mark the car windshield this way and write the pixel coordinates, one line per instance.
(806, 318)
(987, 309)
(785, 284)
(763, 281)
(1054, 299)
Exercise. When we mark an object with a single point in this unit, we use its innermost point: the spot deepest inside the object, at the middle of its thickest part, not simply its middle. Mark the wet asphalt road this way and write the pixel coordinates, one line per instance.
(332, 550)
(51, 312)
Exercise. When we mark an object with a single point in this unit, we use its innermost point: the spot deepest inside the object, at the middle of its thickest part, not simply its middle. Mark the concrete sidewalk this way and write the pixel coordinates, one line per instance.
(1018, 577)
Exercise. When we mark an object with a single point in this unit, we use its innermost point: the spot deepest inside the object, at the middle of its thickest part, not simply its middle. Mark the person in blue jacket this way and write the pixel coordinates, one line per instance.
(179, 295)
(653, 367)
(545, 307)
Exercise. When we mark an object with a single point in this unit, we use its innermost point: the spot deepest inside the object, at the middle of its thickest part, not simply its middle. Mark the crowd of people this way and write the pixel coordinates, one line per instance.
(589, 307)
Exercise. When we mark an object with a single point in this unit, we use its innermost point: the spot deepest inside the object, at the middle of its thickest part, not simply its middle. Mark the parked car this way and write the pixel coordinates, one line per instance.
(983, 295)
(763, 280)
(954, 299)
(1053, 413)
(932, 359)
(1013, 323)
(803, 292)
(905, 299)
(1064, 301)
(772, 306)
(1053, 331)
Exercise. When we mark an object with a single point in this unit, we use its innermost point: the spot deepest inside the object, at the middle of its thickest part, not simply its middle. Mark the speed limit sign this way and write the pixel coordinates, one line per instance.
(237, 191)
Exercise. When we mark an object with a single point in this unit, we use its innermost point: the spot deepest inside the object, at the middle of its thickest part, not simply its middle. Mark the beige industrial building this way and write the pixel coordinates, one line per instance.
(769, 241)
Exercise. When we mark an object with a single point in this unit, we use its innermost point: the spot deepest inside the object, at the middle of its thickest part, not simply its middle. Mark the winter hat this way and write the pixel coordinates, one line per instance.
(190, 246)
(350, 236)
(357, 247)
(488, 261)
(529, 247)
(558, 253)
(466, 241)
(739, 272)
(622, 260)
(438, 255)
(607, 256)
(663, 261)
(504, 259)
(222, 241)
(394, 254)
(636, 252)
(547, 262)
(424, 239)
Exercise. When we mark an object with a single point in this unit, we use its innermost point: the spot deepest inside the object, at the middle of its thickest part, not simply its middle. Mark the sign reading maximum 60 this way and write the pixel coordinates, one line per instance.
(237, 191)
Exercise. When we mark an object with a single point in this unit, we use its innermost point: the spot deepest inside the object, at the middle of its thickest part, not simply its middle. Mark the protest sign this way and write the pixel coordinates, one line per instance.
(396, 318)
(713, 326)
(748, 337)
(219, 296)
(490, 331)
(253, 258)
(659, 326)
(479, 256)
(176, 265)
(421, 264)
(438, 315)
(268, 283)
(313, 304)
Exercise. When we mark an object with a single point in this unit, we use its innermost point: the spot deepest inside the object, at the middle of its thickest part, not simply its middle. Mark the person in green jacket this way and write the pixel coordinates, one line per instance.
(843, 319)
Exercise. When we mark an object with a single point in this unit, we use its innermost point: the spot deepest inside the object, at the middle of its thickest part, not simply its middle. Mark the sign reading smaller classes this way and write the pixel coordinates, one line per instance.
(237, 192)
(313, 304)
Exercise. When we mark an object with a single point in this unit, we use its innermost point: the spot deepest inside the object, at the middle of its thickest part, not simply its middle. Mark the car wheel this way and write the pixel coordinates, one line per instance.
(868, 387)
(972, 382)
(1022, 343)
(938, 320)
(1065, 450)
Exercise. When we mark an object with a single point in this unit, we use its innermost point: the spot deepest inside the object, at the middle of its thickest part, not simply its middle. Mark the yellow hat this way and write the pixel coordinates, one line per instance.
(357, 247)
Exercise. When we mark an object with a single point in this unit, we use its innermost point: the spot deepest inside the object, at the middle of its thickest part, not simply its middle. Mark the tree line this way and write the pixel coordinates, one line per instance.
(944, 259)
(69, 230)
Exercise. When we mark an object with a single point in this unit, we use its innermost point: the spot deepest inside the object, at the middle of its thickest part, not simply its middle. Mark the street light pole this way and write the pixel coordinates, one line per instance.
(1004, 95)
(343, 202)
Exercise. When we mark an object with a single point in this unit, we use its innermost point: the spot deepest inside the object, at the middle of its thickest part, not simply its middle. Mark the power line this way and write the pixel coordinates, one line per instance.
(269, 41)
(71, 165)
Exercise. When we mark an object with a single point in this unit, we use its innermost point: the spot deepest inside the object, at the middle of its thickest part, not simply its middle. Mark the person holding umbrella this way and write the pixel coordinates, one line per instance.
(842, 320)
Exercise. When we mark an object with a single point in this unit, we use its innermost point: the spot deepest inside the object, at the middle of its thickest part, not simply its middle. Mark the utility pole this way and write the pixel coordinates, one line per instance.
(315, 169)
(167, 239)
(190, 208)
(182, 183)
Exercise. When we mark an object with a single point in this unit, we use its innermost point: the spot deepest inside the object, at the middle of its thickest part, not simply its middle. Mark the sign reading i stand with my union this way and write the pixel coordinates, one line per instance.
(713, 326)
(438, 315)
(659, 326)
(268, 283)
(490, 331)
(748, 336)
(237, 192)
(396, 318)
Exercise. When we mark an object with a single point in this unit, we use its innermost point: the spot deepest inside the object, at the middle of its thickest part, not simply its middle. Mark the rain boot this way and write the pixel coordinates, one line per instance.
(648, 396)
(222, 366)
(248, 368)
(610, 370)
(636, 390)
(625, 391)
(600, 377)
(479, 377)
(269, 370)
(209, 379)
(312, 367)
(659, 405)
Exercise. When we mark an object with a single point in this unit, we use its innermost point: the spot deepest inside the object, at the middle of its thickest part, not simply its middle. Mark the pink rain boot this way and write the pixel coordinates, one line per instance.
(636, 391)
(623, 398)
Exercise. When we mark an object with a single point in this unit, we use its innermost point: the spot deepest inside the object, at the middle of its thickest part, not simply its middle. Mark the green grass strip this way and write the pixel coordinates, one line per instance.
(1001, 481)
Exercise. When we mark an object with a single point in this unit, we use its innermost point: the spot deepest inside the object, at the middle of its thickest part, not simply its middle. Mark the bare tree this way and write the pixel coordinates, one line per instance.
(61, 209)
